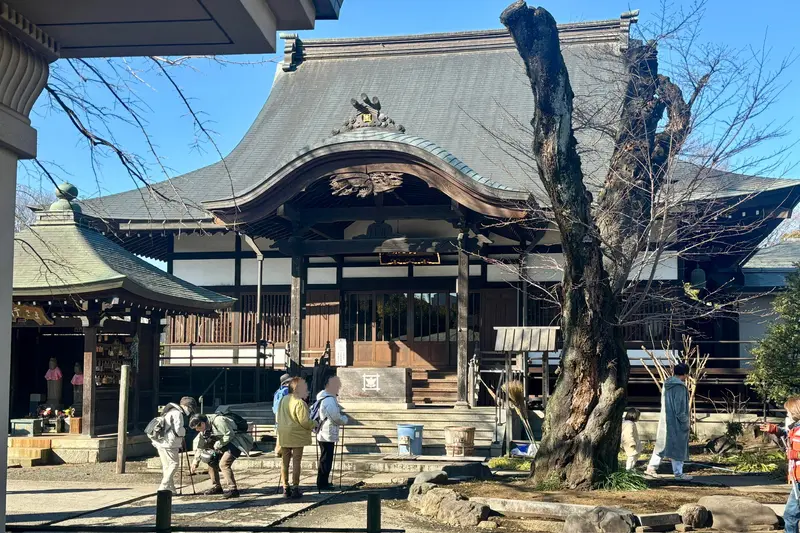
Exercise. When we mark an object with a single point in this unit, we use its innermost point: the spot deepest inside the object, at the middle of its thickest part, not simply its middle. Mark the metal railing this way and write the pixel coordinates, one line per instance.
(163, 523)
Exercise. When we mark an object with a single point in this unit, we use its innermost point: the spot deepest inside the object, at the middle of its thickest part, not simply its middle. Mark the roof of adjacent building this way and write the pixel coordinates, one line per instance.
(465, 93)
(785, 255)
(61, 256)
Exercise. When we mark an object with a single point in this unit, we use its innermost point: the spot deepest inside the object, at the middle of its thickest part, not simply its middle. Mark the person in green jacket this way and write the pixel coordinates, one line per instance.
(219, 433)
(294, 433)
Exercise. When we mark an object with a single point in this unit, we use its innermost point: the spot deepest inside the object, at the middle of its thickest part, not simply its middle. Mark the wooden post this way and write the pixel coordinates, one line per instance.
(509, 417)
(462, 335)
(155, 325)
(373, 512)
(122, 421)
(89, 389)
(297, 303)
(545, 378)
(259, 323)
(163, 511)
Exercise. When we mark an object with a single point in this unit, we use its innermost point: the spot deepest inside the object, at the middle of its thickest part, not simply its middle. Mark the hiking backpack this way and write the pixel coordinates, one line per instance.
(156, 429)
(315, 414)
(238, 421)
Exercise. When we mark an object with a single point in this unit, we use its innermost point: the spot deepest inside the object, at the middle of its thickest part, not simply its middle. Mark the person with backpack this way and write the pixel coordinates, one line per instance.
(282, 391)
(294, 433)
(329, 417)
(221, 439)
(167, 432)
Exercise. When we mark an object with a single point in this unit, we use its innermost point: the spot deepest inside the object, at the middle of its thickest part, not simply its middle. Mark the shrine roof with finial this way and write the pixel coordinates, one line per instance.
(62, 255)
(464, 96)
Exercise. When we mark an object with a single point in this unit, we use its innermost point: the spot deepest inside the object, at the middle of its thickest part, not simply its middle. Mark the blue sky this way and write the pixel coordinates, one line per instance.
(230, 96)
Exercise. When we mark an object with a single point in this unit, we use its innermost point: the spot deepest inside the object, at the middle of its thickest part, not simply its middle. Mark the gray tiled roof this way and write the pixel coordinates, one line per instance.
(784, 255)
(466, 93)
(69, 259)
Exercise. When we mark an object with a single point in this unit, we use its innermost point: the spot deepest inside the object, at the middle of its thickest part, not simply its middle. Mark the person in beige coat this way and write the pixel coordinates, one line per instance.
(294, 433)
(631, 444)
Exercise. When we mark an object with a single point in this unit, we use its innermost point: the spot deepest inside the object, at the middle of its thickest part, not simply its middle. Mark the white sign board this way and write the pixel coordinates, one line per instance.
(340, 351)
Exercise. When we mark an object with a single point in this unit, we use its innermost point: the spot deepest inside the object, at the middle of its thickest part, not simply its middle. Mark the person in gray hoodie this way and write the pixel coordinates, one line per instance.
(331, 419)
(672, 439)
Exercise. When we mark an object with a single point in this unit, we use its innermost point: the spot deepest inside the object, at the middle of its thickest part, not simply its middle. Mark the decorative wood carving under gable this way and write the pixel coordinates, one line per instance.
(364, 184)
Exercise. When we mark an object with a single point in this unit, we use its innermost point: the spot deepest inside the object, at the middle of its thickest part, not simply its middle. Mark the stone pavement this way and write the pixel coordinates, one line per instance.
(44, 502)
(259, 505)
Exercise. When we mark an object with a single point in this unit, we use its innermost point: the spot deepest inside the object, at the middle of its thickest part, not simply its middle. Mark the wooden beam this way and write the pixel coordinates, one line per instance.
(309, 217)
(462, 340)
(372, 246)
(89, 407)
(296, 305)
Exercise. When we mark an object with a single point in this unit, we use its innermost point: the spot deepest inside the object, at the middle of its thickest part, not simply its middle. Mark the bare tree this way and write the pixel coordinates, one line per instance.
(671, 146)
(30, 198)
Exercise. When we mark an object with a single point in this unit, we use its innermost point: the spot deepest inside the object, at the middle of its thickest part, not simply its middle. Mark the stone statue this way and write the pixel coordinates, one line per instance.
(77, 389)
(54, 377)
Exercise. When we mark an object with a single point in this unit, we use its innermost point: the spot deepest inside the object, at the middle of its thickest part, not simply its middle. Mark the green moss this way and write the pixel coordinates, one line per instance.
(517, 464)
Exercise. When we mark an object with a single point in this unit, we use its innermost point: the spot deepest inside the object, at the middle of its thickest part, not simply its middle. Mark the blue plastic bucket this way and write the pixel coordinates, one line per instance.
(409, 439)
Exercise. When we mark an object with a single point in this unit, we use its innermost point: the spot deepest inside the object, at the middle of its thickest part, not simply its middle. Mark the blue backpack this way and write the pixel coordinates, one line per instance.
(314, 414)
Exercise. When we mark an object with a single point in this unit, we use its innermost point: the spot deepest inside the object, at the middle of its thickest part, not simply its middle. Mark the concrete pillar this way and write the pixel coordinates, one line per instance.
(23, 74)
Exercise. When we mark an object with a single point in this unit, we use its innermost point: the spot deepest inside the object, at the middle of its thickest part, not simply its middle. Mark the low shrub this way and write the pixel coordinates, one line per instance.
(551, 484)
(518, 464)
(759, 461)
(623, 480)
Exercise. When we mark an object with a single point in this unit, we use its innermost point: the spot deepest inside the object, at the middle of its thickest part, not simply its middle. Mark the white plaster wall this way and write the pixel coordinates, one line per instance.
(205, 272)
(436, 271)
(247, 356)
(321, 276)
(194, 242)
(502, 273)
(637, 356)
(666, 269)
(375, 272)
(755, 316)
(200, 356)
(277, 271)
(545, 267)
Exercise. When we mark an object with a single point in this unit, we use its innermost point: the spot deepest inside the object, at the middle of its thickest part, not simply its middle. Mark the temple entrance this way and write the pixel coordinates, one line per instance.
(407, 329)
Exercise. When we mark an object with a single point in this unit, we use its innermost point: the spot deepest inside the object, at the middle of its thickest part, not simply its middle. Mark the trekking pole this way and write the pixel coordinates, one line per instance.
(316, 449)
(180, 467)
(341, 459)
(189, 466)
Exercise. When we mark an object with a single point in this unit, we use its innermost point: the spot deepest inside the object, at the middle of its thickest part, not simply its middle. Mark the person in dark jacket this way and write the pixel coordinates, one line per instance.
(218, 435)
(672, 439)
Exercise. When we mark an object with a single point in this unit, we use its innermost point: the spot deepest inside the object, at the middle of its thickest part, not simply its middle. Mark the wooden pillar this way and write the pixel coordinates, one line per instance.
(298, 296)
(155, 339)
(89, 389)
(462, 335)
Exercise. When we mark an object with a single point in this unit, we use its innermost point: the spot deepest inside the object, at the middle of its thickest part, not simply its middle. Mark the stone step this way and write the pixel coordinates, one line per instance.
(27, 442)
(29, 456)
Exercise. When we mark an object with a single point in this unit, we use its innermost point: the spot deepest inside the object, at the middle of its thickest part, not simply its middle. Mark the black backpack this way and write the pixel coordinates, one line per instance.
(239, 422)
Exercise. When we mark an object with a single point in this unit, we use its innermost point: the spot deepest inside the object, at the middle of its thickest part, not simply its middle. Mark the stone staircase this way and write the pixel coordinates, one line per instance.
(28, 452)
(375, 432)
(434, 387)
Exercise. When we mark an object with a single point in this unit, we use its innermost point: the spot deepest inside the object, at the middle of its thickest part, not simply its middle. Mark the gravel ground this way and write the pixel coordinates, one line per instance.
(136, 473)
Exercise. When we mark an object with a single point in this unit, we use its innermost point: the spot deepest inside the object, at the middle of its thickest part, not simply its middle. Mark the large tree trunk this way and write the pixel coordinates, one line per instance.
(584, 415)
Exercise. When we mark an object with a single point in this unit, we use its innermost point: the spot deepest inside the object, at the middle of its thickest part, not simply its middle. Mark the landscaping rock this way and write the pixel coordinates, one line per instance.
(417, 491)
(437, 478)
(736, 513)
(600, 520)
(433, 499)
(487, 525)
(462, 513)
(694, 515)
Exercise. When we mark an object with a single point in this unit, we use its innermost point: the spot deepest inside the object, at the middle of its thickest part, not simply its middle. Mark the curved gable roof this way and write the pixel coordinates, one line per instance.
(465, 92)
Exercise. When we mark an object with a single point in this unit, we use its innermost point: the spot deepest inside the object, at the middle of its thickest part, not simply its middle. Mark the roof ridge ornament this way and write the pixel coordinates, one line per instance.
(369, 116)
